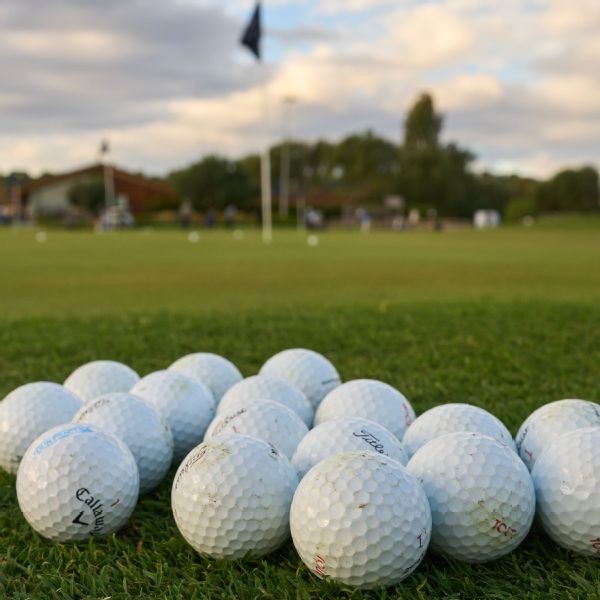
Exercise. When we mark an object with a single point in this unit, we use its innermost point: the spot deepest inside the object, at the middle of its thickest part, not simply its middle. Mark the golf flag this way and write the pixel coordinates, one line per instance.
(252, 33)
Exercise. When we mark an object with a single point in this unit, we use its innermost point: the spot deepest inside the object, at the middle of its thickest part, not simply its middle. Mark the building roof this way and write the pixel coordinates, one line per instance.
(155, 186)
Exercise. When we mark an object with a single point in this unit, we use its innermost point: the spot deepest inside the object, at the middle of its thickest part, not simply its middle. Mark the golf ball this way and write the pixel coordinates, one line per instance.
(550, 421)
(29, 411)
(567, 485)
(345, 435)
(100, 377)
(186, 404)
(231, 497)
(368, 399)
(265, 420)
(77, 482)
(480, 492)
(140, 426)
(361, 519)
(261, 387)
(454, 418)
(216, 372)
(309, 371)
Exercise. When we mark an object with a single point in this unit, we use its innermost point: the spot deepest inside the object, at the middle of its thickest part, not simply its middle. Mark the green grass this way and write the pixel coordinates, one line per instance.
(507, 320)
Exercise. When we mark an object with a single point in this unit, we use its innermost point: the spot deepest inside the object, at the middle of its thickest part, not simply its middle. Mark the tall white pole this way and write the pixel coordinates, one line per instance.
(265, 171)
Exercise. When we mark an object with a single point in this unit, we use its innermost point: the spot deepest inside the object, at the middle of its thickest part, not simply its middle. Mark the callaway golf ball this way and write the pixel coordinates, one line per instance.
(140, 426)
(567, 485)
(345, 435)
(550, 421)
(100, 377)
(218, 373)
(480, 492)
(231, 497)
(368, 399)
(265, 420)
(261, 387)
(309, 371)
(77, 482)
(186, 404)
(361, 519)
(453, 418)
(29, 411)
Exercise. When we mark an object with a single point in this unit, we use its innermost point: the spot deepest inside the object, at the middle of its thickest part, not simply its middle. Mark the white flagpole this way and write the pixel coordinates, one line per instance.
(265, 167)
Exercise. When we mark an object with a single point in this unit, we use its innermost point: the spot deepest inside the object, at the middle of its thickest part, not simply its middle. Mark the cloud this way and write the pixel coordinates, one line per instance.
(167, 81)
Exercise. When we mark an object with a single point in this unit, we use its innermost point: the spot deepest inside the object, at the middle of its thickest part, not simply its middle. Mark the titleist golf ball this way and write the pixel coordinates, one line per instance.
(345, 435)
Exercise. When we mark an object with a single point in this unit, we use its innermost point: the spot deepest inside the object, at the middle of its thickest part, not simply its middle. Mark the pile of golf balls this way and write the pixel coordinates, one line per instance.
(347, 470)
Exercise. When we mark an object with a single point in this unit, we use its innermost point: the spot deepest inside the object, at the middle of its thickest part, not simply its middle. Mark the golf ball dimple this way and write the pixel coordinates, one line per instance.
(29, 411)
(309, 371)
(345, 435)
(186, 404)
(214, 371)
(265, 420)
(138, 424)
(361, 519)
(261, 387)
(454, 418)
(100, 377)
(481, 495)
(77, 482)
(368, 399)
(567, 485)
(550, 421)
(231, 497)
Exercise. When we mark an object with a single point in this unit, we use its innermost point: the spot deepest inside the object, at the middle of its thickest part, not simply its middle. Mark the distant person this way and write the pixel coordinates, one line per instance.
(210, 218)
(230, 215)
(185, 213)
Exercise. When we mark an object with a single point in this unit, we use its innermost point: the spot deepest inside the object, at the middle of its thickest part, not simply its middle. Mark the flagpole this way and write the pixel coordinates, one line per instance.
(265, 170)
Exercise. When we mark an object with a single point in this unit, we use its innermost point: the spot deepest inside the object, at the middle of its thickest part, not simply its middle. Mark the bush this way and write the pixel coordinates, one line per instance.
(517, 208)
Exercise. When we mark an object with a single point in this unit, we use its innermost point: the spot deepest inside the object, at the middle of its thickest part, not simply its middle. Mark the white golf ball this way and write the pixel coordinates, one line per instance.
(186, 404)
(368, 399)
(261, 387)
(77, 482)
(100, 377)
(345, 435)
(454, 418)
(309, 371)
(550, 421)
(567, 485)
(480, 492)
(216, 372)
(361, 519)
(138, 424)
(29, 411)
(231, 497)
(265, 420)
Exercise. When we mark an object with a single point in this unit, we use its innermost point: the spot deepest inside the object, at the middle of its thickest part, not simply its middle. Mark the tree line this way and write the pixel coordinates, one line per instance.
(363, 168)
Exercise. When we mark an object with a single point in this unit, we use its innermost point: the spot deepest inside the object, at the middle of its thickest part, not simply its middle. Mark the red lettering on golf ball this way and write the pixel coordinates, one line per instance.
(506, 530)
(596, 544)
(320, 565)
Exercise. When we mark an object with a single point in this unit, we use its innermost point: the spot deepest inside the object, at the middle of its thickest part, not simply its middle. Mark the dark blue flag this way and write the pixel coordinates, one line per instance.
(252, 33)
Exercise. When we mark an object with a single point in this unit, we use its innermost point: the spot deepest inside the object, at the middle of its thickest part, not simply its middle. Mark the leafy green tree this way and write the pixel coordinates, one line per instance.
(570, 190)
(88, 195)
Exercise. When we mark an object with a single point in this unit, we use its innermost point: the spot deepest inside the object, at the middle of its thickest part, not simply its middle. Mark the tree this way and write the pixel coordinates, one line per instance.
(88, 195)
(570, 190)
(423, 125)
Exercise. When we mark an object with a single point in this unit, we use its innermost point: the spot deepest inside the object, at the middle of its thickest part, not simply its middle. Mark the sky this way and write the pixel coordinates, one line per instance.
(518, 81)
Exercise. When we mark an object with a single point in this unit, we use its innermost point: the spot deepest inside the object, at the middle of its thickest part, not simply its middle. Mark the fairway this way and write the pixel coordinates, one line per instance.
(507, 320)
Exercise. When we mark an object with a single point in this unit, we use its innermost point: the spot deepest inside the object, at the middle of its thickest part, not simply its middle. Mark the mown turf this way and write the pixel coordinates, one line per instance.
(507, 357)
(507, 320)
